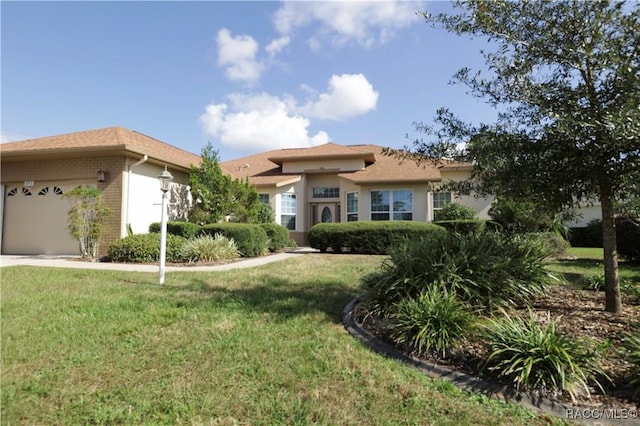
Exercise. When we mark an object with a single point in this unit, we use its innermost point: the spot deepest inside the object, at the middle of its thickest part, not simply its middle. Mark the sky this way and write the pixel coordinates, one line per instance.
(246, 77)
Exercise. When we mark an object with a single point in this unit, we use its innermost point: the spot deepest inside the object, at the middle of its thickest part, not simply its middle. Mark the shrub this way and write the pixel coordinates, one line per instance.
(206, 248)
(250, 238)
(144, 248)
(537, 357)
(631, 348)
(627, 236)
(552, 243)
(465, 226)
(454, 211)
(278, 236)
(86, 218)
(433, 321)
(521, 216)
(368, 237)
(182, 229)
(486, 271)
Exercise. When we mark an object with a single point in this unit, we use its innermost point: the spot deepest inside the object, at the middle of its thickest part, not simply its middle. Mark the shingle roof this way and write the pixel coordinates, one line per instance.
(392, 170)
(327, 151)
(265, 168)
(107, 139)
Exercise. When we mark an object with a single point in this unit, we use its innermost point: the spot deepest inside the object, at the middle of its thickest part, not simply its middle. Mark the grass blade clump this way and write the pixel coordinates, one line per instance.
(631, 347)
(207, 248)
(537, 357)
(434, 321)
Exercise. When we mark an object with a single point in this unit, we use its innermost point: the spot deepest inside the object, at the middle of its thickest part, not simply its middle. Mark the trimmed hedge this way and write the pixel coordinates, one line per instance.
(145, 248)
(468, 226)
(251, 239)
(182, 229)
(368, 237)
(278, 236)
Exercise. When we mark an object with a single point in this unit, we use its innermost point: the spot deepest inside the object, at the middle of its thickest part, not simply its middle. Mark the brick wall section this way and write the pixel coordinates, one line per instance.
(86, 168)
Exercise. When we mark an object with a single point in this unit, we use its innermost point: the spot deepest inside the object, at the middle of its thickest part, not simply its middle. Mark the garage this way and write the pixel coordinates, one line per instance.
(35, 219)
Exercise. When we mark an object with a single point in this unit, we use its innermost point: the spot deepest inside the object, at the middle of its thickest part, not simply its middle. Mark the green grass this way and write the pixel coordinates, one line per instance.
(256, 346)
(589, 262)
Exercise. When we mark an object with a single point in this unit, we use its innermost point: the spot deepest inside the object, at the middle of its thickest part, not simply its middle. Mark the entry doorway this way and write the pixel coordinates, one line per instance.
(325, 213)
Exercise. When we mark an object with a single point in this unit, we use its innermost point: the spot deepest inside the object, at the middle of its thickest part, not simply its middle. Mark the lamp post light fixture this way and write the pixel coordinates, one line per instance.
(165, 179)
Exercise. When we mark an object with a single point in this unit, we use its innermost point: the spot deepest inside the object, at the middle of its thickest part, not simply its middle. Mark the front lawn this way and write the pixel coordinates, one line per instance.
(255, 346)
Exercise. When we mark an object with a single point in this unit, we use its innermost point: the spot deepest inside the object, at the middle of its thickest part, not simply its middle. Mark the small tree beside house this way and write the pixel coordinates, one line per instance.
(217, 197)
(86, 219)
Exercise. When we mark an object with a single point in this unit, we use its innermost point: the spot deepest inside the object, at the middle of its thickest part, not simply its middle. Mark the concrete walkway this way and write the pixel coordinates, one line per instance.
(74, 262)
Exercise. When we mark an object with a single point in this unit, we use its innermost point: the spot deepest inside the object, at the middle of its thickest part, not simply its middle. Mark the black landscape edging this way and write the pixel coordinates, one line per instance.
(491, 389)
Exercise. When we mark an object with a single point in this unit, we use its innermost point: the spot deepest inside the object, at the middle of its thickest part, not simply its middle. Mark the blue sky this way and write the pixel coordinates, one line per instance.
(245, 76)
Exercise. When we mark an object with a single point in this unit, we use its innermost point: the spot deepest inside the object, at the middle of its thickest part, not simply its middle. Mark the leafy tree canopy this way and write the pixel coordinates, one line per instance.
(565, 79)
(217, 196)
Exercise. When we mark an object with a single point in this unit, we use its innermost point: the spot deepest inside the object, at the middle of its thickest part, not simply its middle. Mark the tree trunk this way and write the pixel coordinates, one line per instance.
(613, 300)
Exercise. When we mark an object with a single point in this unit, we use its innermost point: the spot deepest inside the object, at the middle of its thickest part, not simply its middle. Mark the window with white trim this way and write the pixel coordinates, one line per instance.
(402, 202)
(288, 207)
(352, 206)
(441, 199)
(392, 205)
(264, 198)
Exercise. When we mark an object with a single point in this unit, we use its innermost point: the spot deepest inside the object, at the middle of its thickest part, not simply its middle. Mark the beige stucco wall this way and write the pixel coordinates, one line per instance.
(479, 204)
(341, 165)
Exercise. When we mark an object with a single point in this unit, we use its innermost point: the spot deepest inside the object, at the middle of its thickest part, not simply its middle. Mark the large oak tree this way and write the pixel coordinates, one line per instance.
(565, 79)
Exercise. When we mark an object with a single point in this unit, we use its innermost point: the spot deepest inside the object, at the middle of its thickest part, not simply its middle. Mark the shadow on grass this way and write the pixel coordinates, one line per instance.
(279, 297)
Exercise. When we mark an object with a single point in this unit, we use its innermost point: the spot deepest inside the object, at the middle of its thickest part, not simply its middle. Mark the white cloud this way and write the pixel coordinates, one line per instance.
(349, 95)
(341, 22)
(238, 55)
(252, 123)
(277, 45)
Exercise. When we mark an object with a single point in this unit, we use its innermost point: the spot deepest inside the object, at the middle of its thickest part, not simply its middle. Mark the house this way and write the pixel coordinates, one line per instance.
(124, 164)
(336, 183)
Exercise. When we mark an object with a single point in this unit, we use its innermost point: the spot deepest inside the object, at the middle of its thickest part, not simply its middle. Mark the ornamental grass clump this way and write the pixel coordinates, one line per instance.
(207, 248)
(538, 358)
(631, 348)
(435, 321)
(487, 270)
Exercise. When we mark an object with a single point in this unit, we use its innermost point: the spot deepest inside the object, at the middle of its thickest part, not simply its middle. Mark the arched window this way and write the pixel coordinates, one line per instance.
(327, 217)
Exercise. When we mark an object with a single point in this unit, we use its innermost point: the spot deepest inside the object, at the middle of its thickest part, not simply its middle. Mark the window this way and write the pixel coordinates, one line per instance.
(441, 199)
(380, 205)
(264, 198)
(352, 206)
(323, 192)
(46, 190)
(402, 205)
(288, 211)
(392, 205)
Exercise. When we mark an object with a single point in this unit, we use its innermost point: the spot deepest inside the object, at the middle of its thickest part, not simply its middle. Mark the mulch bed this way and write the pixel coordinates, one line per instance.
(580, 315)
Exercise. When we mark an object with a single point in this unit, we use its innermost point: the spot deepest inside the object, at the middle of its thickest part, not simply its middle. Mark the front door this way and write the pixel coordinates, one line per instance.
(325, 213)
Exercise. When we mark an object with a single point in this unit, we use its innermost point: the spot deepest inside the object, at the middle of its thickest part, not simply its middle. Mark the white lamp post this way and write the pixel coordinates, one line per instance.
(165, 179)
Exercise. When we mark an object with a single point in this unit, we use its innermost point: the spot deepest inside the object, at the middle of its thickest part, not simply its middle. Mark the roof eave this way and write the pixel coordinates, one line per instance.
(78, 152)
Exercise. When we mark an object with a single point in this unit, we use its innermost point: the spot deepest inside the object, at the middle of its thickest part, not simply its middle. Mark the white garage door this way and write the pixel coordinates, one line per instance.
(35, 219)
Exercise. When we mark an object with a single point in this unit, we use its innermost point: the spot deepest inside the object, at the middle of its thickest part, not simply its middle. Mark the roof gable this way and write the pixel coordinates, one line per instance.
(327, 151)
